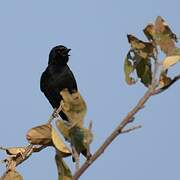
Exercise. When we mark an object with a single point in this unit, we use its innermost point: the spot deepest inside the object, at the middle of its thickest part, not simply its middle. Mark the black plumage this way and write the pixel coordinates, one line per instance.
(57, 76)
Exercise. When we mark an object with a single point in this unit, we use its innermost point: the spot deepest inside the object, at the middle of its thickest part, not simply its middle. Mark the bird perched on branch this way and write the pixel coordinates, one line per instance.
(57, 77)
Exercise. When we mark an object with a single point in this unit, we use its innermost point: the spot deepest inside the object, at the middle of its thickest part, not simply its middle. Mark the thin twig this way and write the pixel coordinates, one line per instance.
(131, 129)
(76, 157)
(88, 147)
(21, 158)
(29, 151)
(39, 148)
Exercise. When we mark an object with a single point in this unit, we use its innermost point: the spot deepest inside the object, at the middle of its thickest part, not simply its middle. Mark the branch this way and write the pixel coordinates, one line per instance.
(14, 160)
(116, 132)
(130, 129)
(29, 150)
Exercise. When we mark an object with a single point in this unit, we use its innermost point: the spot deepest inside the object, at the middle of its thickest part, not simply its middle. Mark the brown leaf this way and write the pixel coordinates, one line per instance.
(15, 150)
(143, 49)
(11, 175)
(162, 27)
(149, 31)
(59, 144)
(161, 34)
(74, 106)
(164, 37)
(164, 80)
(40, 135)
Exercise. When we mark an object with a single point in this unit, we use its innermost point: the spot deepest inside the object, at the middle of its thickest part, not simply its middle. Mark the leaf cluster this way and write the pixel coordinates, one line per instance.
(142, 56)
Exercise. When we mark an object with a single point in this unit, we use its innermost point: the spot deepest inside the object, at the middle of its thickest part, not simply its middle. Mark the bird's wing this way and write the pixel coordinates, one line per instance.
(62, 80)
(43, 81)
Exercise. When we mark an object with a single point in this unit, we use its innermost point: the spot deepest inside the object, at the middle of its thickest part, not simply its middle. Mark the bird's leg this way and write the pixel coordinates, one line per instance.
(53, 115)
(58, 110)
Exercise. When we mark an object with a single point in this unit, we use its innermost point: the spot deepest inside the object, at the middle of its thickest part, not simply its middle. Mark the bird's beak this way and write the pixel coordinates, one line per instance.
(67, 51)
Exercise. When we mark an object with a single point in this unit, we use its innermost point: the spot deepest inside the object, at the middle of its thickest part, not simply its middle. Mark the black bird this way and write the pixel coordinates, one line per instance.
(57, 76)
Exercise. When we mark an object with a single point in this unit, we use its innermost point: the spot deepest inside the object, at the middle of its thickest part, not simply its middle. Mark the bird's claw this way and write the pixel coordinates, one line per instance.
(58, 110)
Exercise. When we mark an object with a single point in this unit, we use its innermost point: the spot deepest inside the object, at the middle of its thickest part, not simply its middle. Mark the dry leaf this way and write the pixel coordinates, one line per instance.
(164, 80)
(170, 61)
(143, 49)
(161, 34)
(59, 144)
(164, 37)
(74, 106)
(11, 175)
(162, 27)
(149, 31)
(40, 135)
(15, 150)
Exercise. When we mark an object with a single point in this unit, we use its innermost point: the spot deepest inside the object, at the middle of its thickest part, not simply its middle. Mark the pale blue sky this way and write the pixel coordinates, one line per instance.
(96, 32)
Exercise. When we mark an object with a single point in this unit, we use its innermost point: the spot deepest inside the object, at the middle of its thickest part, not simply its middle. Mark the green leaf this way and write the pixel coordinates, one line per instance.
(81, 139)
(128, 69)
(11, 175)
(143, 69)
(64, 173)
(141, 61)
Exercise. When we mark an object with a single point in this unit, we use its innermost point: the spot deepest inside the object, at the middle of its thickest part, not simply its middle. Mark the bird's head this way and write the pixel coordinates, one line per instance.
(59, 55)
